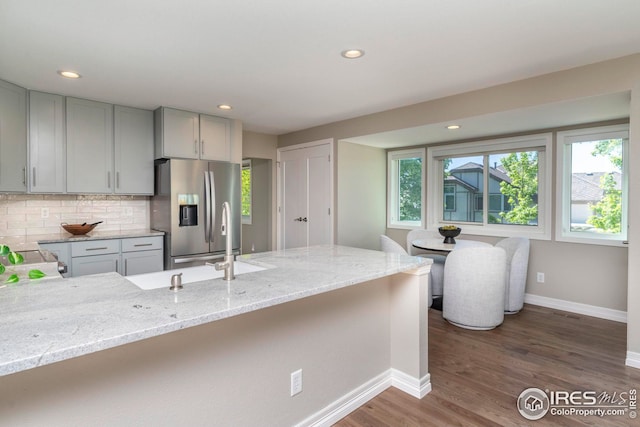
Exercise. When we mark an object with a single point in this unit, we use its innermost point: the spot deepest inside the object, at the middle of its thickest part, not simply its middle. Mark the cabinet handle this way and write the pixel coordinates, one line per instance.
(24, 175)
(195, 146)
(125, 266)
(142, 244)
(108, 179)
(202, 147)
(116, 266)
(33, 184)
(118, 179)
(96, 249)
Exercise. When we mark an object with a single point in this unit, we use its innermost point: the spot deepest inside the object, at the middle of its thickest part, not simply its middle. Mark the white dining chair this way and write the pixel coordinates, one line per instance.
(474, 282)
(517, 249)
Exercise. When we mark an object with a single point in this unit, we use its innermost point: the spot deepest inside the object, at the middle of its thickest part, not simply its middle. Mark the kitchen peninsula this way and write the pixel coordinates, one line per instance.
(97, 350)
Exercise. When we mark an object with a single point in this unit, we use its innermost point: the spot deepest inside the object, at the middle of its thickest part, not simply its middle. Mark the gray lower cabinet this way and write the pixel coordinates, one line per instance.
(142, 255)
(95, 256)
(63, 252)
(136, 255)
(13, 137)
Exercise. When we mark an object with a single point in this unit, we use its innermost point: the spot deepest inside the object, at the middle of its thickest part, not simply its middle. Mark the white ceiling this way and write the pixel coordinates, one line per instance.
(278, 62)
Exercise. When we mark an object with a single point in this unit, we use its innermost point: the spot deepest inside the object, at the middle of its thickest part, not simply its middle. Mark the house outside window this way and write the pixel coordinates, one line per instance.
(592, 190)
(501, 187)
(245, 179)
(405, 192)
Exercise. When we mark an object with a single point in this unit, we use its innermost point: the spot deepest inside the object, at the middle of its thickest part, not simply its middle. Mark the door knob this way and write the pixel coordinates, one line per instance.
(304, 219)
(298, 219)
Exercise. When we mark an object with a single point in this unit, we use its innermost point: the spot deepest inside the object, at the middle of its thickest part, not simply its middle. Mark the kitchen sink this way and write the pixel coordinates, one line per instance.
(162, 279)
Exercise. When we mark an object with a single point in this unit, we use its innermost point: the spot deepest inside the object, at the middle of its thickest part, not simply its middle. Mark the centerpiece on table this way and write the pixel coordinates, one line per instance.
(449, 232)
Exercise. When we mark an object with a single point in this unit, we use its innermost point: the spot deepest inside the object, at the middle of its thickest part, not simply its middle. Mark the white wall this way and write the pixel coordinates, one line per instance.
(361, 195)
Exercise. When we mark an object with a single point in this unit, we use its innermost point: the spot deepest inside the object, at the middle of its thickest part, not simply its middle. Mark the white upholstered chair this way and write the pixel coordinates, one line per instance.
(387, 244)
(517, 249)
(437, 268)
(474, 282)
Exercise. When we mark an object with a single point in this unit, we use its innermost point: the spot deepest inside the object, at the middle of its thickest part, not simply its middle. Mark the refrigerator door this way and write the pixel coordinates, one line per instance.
(188, 210)
(226, 188)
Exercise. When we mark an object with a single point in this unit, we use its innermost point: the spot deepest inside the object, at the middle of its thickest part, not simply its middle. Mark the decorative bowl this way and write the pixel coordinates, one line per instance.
(79, 229)
(449, 234)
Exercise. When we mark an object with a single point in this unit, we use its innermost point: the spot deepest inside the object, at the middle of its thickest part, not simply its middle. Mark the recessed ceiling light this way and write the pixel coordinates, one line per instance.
(69, 74)
(453, 127)
(352, 53)
(225, 107)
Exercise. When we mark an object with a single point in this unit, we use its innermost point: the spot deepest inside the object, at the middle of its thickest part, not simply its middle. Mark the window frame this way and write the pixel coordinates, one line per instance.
(542, 143)
(393, 156)
(564, 139)
(247, 219)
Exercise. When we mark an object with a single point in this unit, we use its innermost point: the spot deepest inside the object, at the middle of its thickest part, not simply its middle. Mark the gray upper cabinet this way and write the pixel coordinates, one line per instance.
(188, 135)
(177, 133)
(133, 150)
(89, 146)
(46, 143)
(13, 137)
(215, 138)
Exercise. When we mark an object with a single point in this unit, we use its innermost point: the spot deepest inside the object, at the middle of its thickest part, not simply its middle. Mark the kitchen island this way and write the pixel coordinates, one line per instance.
(98, 350)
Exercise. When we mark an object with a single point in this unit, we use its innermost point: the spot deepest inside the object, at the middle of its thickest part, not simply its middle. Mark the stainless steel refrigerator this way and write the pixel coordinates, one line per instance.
(187, 206)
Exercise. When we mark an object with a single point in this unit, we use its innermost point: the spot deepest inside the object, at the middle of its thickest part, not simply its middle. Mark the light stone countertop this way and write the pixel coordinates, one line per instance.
(49, 321)
(30, 242)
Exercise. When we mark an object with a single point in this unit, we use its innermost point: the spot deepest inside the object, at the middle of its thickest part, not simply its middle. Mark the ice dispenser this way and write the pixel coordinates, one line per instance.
(188, 205)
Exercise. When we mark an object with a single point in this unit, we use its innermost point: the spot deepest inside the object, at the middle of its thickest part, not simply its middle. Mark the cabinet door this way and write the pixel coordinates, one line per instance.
(46, 143)
(13, 137)
(180, 134)
(89, 146)
(62, 251)
(133, 143)
(141, 262)
(215, 138)
(95, 264)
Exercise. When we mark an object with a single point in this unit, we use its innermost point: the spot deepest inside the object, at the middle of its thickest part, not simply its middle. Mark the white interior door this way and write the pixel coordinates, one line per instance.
(305, 196)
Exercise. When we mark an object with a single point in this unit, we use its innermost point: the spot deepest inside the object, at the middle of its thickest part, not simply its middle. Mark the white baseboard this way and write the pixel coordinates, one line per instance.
(575, 307)
(410, 385)
(633, 359)
(351, 401)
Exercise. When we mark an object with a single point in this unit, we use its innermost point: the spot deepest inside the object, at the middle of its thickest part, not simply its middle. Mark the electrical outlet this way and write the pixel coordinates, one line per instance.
(540, 277)
(44, 213)
(296, 382)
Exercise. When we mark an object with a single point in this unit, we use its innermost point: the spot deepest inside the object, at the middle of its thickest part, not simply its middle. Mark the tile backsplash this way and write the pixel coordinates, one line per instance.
(31, 214)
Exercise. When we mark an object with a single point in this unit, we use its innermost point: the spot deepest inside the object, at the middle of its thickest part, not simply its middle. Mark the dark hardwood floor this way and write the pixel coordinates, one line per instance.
(477, 376)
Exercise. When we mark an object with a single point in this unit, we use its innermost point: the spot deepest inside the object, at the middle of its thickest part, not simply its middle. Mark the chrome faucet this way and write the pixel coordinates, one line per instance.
(227, 264)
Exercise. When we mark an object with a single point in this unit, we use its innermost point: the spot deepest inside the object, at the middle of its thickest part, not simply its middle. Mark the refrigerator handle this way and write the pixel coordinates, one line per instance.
(212, 206)
(207, 207)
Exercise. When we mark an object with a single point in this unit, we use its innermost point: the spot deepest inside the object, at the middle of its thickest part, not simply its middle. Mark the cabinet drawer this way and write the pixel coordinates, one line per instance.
(95, 247)
(141, 244)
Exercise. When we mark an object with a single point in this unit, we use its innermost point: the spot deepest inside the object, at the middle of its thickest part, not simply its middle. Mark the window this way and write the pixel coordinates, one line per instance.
(592, 185)
(405, 193)
(246, 191)
(497, 187)
(449, 198)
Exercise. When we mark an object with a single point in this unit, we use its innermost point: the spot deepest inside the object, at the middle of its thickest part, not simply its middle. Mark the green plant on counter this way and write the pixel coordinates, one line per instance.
(15, 258)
